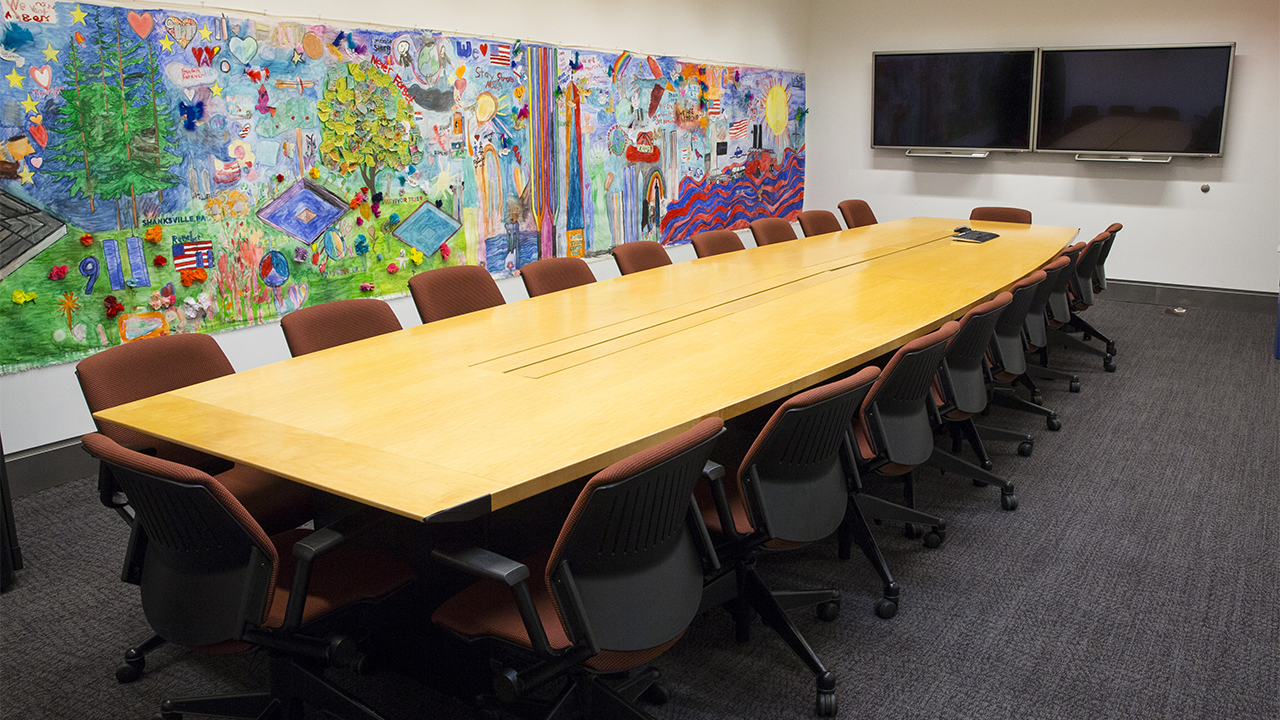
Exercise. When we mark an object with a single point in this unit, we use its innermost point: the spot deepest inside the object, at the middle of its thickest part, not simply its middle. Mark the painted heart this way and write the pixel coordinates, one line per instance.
(39, 134)
(181, 29)
(43, 76)
(141, 24)
(243, 49)
(484, 48)
(298, 295)
(35, 162)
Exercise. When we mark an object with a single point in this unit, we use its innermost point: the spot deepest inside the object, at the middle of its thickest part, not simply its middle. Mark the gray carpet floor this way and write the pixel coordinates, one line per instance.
(1138, 578)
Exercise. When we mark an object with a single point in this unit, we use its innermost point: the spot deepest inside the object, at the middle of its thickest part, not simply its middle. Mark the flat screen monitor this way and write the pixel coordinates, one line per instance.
(972, 100)
(1157, 100)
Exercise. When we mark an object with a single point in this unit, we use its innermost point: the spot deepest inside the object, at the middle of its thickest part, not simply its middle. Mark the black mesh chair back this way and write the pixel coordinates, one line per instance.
(1058, 308)
(627, 550)
(208, 565)
(1082, 274)
(1007, 352)
(1056, 274)
(793, 477)
(962, 374)
(895, 411)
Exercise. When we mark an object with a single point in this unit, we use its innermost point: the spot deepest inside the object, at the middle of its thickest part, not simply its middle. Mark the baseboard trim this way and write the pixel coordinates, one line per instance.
(46, 466)
(1190, 296)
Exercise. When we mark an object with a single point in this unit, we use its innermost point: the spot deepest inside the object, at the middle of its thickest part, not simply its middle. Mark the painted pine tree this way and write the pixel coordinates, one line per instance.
(150, 149)
(81, 138)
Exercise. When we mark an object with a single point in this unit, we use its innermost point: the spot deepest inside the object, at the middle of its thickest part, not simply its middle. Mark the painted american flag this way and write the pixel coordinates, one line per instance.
(192, 255)
(500, 55)
(739, 130)
(714, 107)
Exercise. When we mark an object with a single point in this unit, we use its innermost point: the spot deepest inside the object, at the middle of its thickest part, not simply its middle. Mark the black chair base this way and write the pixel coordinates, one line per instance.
(1026, 443)
(293, 683)
(1039, 372)
(948, 463)
(1075, 343)
(743, 593)
(1004, 397)
(135, 659)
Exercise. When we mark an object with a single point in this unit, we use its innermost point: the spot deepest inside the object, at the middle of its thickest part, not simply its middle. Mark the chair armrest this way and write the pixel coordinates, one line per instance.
(484, 563)
(714, 472)
(492, 566)
(316, 544)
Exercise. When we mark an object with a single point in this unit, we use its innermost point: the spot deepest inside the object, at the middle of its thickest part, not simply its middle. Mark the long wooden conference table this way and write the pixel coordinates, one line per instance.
(453, 419)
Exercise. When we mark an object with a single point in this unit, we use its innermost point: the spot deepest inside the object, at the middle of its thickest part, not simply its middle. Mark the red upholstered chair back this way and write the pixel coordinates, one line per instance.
(792, 477)
(453, 290)
(1100, 270)
(144, 368)
(1007, 352)
(1056, 278)
(716, 242)
(857, 213)
(331, 324)
(894, 415)
(628, 550)
(210, 567)
(640, 255)
(818, 222)
(1001, 214)
(554, 274)
(768, 231)
(1086, 264)
(1058, 308)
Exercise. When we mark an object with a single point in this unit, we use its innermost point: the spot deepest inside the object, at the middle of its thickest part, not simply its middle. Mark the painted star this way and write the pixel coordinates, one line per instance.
(216, 89)
(205, 32)
(15, 80)
(77, 16)
(297, 57)
(167, 43)
(50, 53)
(29, 105)
(28, 177)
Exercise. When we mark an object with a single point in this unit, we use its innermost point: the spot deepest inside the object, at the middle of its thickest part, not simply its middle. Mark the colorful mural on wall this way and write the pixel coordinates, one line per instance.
(168, 171)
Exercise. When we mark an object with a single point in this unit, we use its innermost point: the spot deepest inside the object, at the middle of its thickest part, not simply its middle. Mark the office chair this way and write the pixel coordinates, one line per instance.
(960, 392)
(1080, 292)
(1035, 327)
(141, 369)
(454, 290)
(10, 551)
(716, 242)
(1001, 214)
(856, 213)
(1100, 270)
(818, 222)
(212, 578)
(768, 231)
(620, 586)
(892, 434)
(787, 490)
(640, 255)
(331, 324)
(1006, 356)
(554, 274)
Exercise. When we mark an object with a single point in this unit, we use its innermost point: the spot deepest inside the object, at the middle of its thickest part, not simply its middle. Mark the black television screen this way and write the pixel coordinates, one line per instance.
(954, 100)
(1161, 100)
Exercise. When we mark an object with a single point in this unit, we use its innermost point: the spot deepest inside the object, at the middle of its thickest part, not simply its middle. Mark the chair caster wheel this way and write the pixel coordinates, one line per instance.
(131, 669)
(1111, 349)
(828, 611)
(827, 706)
(886, 608)
(986, 465)
(1025, 447)
(1074, 386)
(1053, 424)
(934, 538)
(1038, 399)
(656, 694)
(1108, 364)
(1009, 502)
(911, 531)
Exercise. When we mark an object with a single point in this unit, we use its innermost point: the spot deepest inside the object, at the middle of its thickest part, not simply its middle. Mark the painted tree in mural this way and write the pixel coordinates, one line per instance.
(367, 123)
(115, 141)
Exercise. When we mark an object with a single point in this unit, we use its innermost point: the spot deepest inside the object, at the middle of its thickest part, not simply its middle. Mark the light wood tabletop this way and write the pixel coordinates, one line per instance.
(453, 419)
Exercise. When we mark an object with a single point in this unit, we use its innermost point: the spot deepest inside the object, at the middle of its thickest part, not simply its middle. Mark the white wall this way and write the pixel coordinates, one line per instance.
(44, 406)
(1173, 232)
